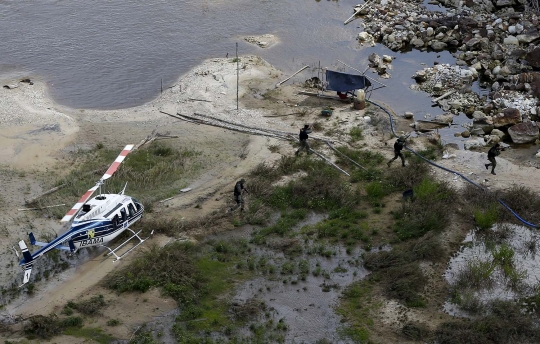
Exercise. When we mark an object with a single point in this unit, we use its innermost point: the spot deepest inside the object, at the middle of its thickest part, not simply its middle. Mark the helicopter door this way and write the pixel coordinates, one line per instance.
(131, 210)
(123, 215)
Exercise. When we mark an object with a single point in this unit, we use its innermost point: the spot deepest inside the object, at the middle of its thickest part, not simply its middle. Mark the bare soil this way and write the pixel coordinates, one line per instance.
(39, 141)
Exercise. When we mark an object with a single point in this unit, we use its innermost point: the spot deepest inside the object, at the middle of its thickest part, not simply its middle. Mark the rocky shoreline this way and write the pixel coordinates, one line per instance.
(494, 43)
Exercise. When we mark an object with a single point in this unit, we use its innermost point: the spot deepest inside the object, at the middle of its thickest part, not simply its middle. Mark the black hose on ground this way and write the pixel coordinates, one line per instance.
(451, 171)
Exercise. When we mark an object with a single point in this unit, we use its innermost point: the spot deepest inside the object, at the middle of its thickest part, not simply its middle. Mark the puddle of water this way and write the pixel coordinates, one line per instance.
(433, 7)
(306, 306)
(525, 260)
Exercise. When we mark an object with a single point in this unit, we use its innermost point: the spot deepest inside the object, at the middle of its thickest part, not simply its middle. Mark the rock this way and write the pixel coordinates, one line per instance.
(524, 132)
(478, 115)
(493, 139)
(430, 31)
(528, 37)
(437, 87)
(504, 3)
(367, 119)
(364, 36)
(387, 58)
(417, 42)
(375, 59)
(509, 116)
(484, 125)
(498, 132)
(445, 118)
(512, 29)
(511, 40)
(533, 57)
(10, 87)
(420, 76)
(408, 115)
(474, 143)
(477, 131)
(465, 134)
(438, 46)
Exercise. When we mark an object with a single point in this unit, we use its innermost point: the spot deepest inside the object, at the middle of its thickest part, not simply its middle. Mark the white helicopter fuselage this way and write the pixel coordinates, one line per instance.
(103, 218)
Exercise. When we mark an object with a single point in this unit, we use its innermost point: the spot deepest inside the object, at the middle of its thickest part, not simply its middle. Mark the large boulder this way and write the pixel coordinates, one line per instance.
(445, 118)
(533, 57)
(484, 125)
(474, 143)
(524, 132)
(508, 117)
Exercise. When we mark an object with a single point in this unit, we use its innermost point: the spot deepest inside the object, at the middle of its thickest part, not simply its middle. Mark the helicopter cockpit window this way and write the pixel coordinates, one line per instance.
(131, 210)
(123, 214)
(137, 203)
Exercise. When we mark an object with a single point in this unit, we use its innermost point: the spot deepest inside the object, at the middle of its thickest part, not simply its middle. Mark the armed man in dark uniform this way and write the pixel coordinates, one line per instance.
(238, 190)
(492, 153)
(303, 139)
(398, 146)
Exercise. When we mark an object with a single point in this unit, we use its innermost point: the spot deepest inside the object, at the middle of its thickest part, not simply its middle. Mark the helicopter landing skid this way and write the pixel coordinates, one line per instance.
(135, 235)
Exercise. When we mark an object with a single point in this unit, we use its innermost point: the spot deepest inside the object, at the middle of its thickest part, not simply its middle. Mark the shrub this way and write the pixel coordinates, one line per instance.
(486, 219)
(170, 267)
(44, 327)
(405, 283)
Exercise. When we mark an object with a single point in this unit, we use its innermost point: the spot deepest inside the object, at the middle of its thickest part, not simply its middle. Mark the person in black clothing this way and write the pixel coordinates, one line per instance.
(492, 153)
(303, 139)
(398, 146)
(238, 190)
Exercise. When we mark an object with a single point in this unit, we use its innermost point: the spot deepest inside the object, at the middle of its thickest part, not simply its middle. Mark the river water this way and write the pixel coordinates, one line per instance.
(114, 54)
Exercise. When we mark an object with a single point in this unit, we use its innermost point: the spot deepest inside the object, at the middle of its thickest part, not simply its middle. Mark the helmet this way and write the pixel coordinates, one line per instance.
(242, 180)
(306, 126)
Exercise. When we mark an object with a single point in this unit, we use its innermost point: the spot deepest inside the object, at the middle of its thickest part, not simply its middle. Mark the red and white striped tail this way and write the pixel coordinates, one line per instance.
(90, 192)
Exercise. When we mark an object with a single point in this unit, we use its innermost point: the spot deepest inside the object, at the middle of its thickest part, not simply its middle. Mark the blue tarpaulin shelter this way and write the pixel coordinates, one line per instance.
(343, 82)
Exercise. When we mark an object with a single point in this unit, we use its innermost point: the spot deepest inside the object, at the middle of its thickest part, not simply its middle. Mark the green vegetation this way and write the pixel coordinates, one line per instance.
(152, 173)
(486, 219)
(356, 134)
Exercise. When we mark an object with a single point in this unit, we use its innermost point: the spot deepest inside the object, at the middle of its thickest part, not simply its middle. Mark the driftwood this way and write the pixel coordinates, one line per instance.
(41, 208)
(277, 133)
(444, 96)
(149, 139)
(279, 83)
(48, 192)
(200, 100)
(152, 137)
(179, 116)
(356, 12)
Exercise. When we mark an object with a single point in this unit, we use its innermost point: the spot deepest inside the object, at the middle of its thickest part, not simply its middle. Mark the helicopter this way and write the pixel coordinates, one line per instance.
(96, 222)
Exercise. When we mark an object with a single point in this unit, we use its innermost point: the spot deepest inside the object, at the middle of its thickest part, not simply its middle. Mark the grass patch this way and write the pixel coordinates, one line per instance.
(356, 309)
(154, 172)
(90, 307)
(92, 333)
(356, 134)
(504, 323)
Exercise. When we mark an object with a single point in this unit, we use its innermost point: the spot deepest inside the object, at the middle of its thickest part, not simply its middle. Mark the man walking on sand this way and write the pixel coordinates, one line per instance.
(238, 190)
(303, 139)
(398, 146)
(492, 153)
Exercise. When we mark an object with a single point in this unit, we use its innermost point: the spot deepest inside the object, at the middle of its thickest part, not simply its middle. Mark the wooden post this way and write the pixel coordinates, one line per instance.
(237, 76)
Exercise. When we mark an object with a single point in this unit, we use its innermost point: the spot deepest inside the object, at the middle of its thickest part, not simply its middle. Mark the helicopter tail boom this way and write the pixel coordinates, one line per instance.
(28, 262)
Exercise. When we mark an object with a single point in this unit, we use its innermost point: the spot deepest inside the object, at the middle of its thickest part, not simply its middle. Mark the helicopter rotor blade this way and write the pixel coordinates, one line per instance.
(107, 175)
(117, 162)
(79, 204)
